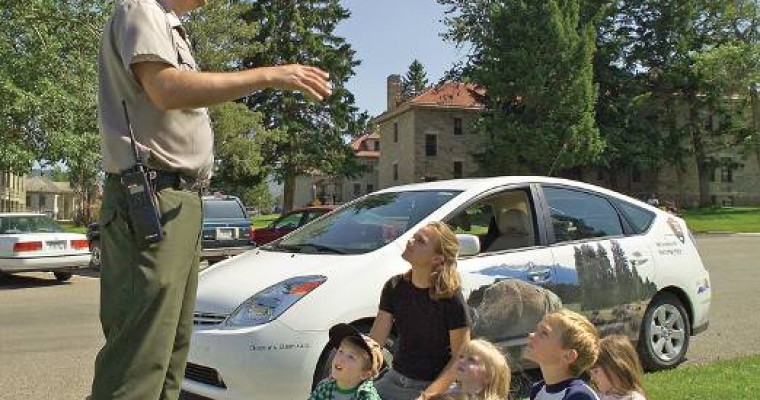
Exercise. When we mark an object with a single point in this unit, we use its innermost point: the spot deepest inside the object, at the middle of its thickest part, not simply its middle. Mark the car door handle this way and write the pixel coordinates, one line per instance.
(639, 261)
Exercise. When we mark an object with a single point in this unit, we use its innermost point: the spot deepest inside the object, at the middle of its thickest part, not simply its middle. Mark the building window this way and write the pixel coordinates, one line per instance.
(357, 189)
(370, 188)
(430, 179)
(395, 132)
(711, 177)
(726, 174)
(457, 126)
(377, 145)
(431, 145)
(458, 169)
(395, 172)
(42, 200)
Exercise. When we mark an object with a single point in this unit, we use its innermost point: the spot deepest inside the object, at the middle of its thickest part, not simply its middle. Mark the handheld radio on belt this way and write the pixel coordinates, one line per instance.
(143, 205)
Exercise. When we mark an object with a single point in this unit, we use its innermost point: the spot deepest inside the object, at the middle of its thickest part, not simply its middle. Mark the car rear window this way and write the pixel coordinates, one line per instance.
(214, 209)
(28, 224)
(639, 218)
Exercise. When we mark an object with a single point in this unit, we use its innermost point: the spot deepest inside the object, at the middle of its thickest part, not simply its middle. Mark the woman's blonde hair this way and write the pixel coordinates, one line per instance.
(618, 359)
(497, 368)
(445, 280)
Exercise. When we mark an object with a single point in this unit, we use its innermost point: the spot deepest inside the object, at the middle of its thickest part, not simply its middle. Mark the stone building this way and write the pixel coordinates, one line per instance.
(12, 192)
(56, 199)
(336, 190)
(428, 137)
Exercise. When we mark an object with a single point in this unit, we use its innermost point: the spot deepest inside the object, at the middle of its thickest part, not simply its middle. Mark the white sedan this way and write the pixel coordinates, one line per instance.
(529, 245)
(35, 242)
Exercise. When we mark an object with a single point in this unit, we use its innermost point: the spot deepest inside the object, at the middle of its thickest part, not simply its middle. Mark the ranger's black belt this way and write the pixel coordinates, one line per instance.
(170, 180)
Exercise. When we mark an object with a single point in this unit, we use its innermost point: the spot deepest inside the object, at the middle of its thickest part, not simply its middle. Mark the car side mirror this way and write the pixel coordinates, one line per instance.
(469, 245)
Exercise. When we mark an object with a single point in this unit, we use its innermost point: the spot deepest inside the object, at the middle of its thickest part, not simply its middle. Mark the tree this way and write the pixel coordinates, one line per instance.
(415, 81)
(534, 60)
(221, 38)
(48, 86)
(310, 136)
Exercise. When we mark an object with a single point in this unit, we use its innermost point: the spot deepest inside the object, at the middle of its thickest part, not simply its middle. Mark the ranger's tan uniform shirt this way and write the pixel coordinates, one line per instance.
(173, 140)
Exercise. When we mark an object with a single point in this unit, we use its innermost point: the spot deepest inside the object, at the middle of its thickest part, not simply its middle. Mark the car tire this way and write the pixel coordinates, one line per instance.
(95, 260)
(62, 276)
(665, 333)
(325, 360)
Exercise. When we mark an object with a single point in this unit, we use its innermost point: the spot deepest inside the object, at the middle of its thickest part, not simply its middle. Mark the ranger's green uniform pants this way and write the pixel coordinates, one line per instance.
(147, 297)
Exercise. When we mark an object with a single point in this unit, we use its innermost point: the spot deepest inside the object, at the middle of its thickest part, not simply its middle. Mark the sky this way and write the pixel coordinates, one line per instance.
(387, 36)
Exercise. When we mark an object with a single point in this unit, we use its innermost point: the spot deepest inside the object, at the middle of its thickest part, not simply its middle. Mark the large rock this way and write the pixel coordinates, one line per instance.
(510, 308)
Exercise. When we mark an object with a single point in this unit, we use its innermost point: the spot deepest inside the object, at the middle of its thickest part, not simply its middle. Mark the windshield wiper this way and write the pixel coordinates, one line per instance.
(323, 248)
(285, 247)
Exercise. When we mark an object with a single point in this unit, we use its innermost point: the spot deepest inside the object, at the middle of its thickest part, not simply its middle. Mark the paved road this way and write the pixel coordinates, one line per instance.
(49, 332)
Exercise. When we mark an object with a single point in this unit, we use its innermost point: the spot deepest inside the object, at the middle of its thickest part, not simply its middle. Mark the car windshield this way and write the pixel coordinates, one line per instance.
(27, 224)
(213, 209)
(365, 225)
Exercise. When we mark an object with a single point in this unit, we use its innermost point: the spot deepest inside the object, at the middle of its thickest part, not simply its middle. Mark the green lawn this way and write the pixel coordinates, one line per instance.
(70, 227)
(729, 219)
(731, 379)
(260, 221)
(735, 379)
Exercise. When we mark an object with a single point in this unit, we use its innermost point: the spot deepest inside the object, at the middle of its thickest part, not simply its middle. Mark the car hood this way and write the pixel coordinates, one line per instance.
(223, 287)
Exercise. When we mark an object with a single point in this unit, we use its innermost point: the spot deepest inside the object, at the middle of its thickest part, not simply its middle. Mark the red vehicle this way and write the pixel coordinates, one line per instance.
(287, 223)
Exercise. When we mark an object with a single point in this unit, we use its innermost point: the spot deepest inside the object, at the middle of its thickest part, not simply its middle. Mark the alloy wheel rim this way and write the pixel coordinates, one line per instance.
(667, 333)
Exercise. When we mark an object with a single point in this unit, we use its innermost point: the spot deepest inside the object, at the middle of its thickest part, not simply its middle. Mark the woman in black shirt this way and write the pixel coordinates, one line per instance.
(431, 317)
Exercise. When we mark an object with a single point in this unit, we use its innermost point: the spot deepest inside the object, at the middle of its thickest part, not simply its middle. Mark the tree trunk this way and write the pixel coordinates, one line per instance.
(289, 192)
(703, 164)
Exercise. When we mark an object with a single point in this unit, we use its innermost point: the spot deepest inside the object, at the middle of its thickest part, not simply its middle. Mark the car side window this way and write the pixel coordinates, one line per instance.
(639, 218)
(503, 221)
(289, 221)
(578, 215)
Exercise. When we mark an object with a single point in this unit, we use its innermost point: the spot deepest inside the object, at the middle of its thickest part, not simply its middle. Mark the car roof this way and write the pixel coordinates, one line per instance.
(481, 184)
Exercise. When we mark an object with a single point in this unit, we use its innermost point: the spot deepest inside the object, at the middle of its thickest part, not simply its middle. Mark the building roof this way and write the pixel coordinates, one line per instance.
(41, 184)
(451, 94)
(360, 147)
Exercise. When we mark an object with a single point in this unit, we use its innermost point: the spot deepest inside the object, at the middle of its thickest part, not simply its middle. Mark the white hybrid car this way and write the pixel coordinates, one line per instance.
(529, 245)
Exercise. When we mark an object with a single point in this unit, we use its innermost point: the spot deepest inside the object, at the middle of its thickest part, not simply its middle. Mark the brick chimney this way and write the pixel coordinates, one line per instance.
(394, 91)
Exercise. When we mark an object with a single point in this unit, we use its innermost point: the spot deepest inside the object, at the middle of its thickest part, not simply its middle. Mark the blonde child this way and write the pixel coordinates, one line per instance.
(564, 345)
(430, 315)
(482, 371)
(617, 372)
(356, 362)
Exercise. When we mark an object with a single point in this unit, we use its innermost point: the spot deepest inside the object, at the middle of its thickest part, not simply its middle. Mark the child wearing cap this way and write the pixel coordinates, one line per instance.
(356, 362)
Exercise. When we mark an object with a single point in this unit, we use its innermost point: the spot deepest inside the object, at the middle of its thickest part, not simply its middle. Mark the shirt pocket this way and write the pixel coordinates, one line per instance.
(185, 58)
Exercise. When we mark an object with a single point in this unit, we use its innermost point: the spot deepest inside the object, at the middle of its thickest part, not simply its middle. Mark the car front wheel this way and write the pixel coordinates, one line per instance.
(665, 333)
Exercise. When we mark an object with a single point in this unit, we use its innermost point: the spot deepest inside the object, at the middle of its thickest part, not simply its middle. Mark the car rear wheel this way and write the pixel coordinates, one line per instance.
(95, 254)
(665, 333)
(325, 361)
(62, 276)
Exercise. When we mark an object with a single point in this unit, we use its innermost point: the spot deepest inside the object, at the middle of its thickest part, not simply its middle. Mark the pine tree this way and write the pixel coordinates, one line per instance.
(310, 134)
(534, 60)
(415, 81)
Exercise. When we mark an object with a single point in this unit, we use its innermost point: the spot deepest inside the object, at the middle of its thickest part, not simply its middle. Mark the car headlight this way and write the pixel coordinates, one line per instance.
(270, 303)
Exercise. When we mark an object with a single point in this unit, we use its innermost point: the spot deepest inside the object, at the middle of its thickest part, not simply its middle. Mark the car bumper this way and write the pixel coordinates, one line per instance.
(223, 252)
(48, 263)
(270, 361)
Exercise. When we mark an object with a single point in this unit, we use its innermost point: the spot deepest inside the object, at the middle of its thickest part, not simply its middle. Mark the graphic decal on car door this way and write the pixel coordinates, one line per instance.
(606, 287)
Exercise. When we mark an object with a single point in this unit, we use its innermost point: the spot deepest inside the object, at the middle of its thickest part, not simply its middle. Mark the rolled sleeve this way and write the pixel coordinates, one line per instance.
(144, 34)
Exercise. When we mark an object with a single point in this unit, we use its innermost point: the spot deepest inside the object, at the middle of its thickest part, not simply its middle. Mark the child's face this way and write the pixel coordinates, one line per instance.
(349, 365)
(545, 344)
(421, 249)
(600, 379)
(471, 373)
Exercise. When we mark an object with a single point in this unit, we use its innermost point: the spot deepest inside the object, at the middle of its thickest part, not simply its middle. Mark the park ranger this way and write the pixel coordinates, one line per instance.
(149, 84)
